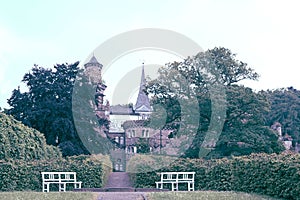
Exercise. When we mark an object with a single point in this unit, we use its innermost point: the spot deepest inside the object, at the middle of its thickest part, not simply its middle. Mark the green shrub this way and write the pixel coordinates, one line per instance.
(268, 174)
(20, 175)
(18, 141)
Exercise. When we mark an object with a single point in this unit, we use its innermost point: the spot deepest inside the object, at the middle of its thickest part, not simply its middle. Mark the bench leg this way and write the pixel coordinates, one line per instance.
(191, 186)
(174, 186)
(161, 186)
(77, 185)
(45, 187)
(62, 187)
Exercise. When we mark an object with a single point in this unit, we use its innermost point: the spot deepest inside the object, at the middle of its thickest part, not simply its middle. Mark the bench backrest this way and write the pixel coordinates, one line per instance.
(59, 176)
(177, 176)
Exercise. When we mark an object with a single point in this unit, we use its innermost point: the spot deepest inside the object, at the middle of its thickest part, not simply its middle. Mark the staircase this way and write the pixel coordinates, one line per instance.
(119, 182)
(119, 187)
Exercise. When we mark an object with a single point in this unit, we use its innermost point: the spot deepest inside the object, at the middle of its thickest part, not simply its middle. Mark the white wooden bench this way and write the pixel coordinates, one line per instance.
(60, 178)
(174, 178)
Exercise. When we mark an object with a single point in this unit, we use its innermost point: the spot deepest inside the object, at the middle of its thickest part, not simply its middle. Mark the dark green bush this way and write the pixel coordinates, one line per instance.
(18, 141)
(268, 174)
(19, 175)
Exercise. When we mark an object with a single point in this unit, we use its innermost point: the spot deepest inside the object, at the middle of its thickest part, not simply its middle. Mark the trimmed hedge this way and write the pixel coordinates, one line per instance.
(20, 175)
(268, 174)
(18, 141)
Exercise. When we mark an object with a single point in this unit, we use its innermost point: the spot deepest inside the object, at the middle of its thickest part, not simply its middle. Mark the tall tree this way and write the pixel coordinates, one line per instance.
(47, 105)
(206, 85)
(285, 109)
(91, 128)
(245, 129)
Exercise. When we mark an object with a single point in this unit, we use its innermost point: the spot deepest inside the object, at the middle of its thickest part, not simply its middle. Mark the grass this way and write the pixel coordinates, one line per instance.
(198, 195)
(204, 195)
(48, 196)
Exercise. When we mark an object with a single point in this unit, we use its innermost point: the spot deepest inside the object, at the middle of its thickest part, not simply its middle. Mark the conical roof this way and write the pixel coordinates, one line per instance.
(142, 102)
(93, 62)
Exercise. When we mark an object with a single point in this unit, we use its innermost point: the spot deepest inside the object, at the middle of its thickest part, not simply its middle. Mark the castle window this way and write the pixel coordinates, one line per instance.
(147, 133)
(129, 134)
(143, 133)
(132, 133)
(122, 140)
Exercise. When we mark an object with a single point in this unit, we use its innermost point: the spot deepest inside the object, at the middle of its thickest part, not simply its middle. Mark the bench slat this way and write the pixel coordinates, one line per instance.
(61, 178)
(174, 178)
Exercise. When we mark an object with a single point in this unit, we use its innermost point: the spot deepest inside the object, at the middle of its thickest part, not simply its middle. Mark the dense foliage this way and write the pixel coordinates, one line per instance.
(90, 128)
(285, 109)
(201, 99)
(19, 175)
(245, 130)
(47, 106)
(268, 174)
(18, 141)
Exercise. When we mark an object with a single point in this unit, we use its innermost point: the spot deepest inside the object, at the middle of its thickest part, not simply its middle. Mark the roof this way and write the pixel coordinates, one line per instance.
(93, 62)
(142, 102)
(121, 110)
(134, 123)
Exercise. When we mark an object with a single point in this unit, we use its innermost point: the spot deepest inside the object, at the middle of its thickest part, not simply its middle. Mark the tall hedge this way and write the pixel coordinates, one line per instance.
(273, 175)
(20, 175)
(18, 141)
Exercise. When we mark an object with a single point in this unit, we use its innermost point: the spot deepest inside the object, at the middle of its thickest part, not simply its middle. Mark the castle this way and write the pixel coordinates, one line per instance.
(127, 129)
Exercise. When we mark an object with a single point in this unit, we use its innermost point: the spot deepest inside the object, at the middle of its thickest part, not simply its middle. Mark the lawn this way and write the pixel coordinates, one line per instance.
(48, 196)
(204, 195)
(198, 195)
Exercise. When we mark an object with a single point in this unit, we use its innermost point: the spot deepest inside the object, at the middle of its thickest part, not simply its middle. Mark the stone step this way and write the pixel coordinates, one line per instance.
(120, 189)
(126, 189)
(118, 180)
(121, 196)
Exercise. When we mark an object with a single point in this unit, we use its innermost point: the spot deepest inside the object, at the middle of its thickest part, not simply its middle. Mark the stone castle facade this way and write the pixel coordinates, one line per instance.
(126, 122)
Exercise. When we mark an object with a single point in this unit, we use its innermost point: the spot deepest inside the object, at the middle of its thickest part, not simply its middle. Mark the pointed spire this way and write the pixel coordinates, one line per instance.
(143, 79)
(93, 62)
(142, 102)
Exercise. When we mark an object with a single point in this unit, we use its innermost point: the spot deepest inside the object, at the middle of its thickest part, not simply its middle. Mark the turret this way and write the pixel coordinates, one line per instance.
(93, 70)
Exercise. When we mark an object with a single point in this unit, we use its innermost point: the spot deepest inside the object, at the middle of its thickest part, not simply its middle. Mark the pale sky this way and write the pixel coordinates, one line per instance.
(263, 33)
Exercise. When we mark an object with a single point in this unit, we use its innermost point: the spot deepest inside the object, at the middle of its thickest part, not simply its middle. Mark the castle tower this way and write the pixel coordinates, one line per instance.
(93, 70)
(142, 105)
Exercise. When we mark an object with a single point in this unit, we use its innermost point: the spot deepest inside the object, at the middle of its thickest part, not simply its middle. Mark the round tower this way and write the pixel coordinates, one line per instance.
(93, 71)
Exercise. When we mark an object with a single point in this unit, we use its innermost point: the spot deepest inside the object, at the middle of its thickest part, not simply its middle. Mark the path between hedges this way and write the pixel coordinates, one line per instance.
(120, 180)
